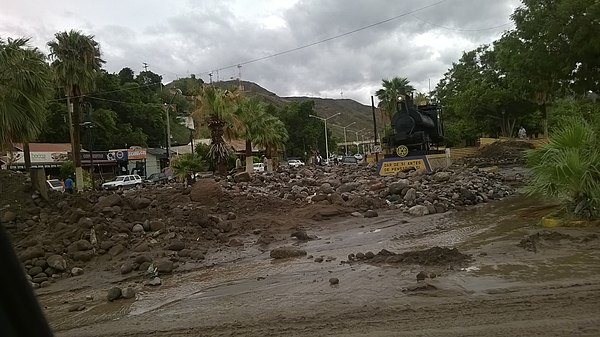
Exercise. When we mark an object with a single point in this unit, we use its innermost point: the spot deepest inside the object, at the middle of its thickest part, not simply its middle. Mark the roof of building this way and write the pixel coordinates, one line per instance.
(45, 147)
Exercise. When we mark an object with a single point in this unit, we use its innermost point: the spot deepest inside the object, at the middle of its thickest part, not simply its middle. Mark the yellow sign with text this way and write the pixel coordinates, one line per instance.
(391, 166)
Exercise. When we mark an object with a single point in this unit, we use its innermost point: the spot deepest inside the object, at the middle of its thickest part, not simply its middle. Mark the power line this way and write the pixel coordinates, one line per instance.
(325, 40)
(107, 92)
(459, 29)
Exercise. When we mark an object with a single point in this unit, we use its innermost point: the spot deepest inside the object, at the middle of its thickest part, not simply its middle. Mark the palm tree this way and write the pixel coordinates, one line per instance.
(76, 64)
(25, 85)
(421, 99)
(272, 136)
(186, 165)
(388, 95)
(568, 168)
(218, 107)
(251, 113)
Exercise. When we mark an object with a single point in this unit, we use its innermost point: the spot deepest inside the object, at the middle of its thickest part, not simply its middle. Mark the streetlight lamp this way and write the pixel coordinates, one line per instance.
(168, 142)
(325, 129)
(345, 140)
(357, 144)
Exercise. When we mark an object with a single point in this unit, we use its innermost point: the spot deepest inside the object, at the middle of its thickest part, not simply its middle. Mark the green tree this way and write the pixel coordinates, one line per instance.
(272, 135)
(25, 85)
(76, 64)
(126, 75)
(252, 117)
(388, 95)
(218, 108)
(568, 168)
(186, 165)
(304, 132)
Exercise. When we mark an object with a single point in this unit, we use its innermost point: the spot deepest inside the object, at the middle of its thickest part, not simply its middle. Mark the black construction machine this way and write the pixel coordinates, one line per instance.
(417, 130)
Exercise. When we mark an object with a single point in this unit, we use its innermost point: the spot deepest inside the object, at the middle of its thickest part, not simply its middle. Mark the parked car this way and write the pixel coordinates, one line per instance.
(259, 167)
(295, 163)
(349, 160)
(157, 178)
(56, 185)
(123, 182)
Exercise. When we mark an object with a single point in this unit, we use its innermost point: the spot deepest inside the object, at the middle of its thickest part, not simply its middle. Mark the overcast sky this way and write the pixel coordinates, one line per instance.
(182, 37)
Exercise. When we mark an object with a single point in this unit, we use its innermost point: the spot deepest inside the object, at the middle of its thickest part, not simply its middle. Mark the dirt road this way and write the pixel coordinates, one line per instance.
(505, 290)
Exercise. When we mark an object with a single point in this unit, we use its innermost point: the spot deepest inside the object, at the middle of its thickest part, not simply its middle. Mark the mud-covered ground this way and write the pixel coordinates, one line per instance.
(502, 286)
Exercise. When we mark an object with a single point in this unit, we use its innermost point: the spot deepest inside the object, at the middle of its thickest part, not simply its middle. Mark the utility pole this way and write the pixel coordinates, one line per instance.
(345, 139)
(240, 77)
(325, 121)
(374, 129)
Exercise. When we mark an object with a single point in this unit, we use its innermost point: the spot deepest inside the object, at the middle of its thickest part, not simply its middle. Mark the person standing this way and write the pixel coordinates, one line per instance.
(522, 133)
(69, 185)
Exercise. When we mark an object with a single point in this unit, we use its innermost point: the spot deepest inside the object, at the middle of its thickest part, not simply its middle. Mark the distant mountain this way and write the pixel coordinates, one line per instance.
(350, 110)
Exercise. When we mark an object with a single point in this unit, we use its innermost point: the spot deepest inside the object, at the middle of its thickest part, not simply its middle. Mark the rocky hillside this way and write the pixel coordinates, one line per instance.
(350, 110)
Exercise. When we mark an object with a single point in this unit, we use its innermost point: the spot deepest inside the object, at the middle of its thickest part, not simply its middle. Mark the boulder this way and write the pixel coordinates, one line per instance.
(418, 210)
(109, 201)
(466, 194)
(57, 263)
(142, 258)
(176, 245)
(113, 294)
(126, 268)
(441, 176)
(76, 271)
(206, 191)
(84, 256)
(85, 222)
(242, 177)
(348, 187)
(34, 271)
(370, 214)
(287, 252)
(319, 197)
(80, 245)
(30, 253)
(128, 292)
(156, 225)
(164, 266)
(138, 228)
(326, 188)
(398, 186)
(336, 199)
(155, 281)
(411, 195)
(8, 216)
(106, 245)
(197, 255)
(140, 203)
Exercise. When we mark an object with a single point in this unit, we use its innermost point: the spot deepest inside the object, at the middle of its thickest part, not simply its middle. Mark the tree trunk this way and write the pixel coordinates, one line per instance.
(76, 138)
(216, 137)
(249, 161)
(27, 156)
(545, 119)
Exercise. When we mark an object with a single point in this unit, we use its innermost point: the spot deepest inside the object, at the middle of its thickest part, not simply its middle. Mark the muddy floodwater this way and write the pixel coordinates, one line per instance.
(521, 280)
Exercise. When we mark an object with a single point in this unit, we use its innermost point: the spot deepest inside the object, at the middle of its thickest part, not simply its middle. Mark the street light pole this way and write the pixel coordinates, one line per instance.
(325, 123)
(168, 142)
(345, 139)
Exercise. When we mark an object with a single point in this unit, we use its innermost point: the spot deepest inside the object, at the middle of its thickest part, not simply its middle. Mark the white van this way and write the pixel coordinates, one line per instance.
(259, 167)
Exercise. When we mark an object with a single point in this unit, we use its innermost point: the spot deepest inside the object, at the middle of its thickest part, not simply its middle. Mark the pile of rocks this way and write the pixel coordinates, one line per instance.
(360, 188)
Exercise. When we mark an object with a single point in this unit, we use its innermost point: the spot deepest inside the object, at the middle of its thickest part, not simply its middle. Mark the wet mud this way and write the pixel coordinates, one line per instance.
(467, 273)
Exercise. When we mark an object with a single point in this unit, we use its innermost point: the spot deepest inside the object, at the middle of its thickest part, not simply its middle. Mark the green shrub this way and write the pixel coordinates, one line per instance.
(568, 168)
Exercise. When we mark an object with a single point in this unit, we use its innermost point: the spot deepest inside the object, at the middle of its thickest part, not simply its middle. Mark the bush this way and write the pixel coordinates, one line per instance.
(568, 168)
(187, 164)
